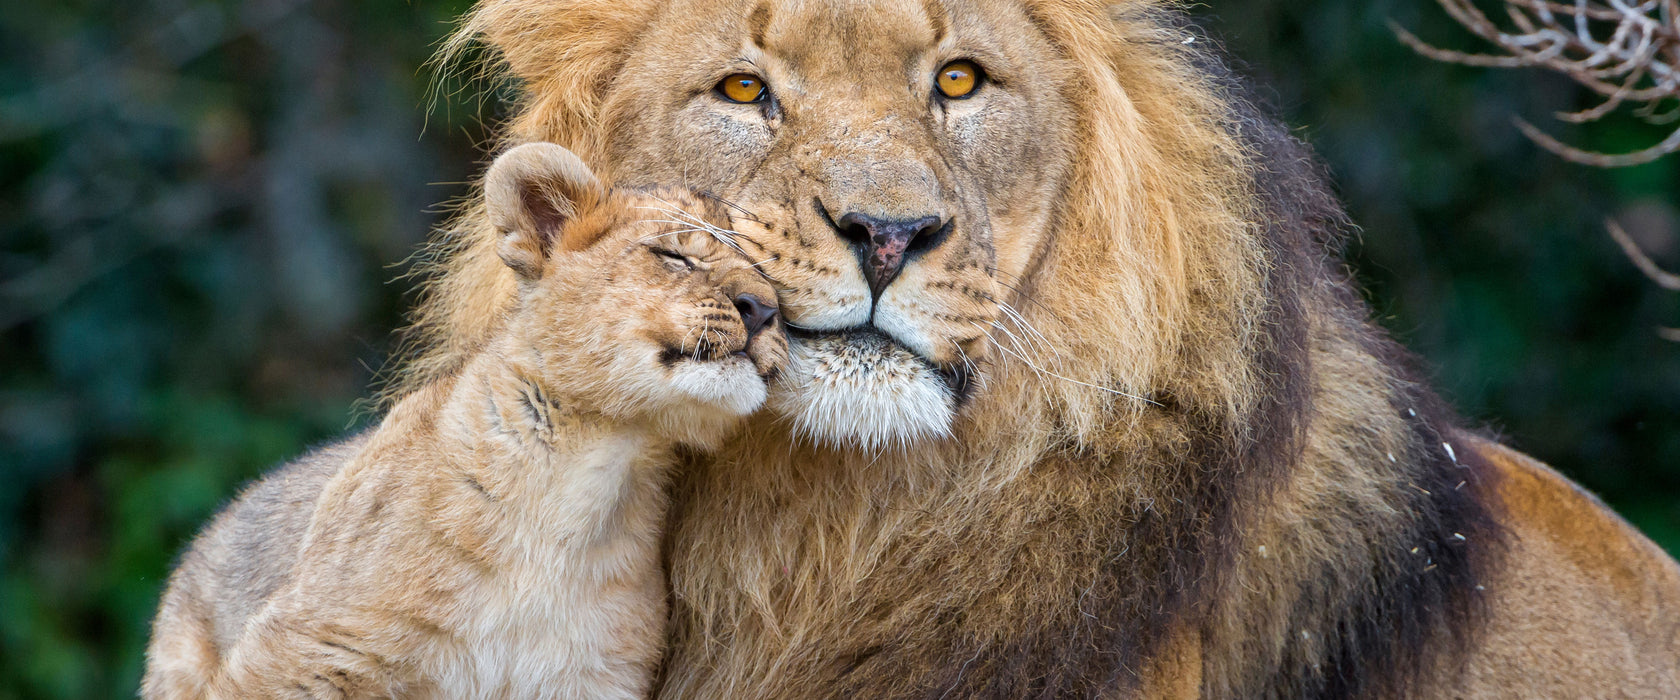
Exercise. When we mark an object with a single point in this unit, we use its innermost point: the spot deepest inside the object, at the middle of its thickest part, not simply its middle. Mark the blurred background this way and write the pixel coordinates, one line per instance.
(205, 207)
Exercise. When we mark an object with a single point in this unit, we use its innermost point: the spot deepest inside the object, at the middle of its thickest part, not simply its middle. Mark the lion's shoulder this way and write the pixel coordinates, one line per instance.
(1584, 603)
(1544, 508)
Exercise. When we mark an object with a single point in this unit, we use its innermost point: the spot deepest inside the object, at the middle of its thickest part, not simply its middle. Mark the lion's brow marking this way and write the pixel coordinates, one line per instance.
(758, 22)
(935, 12)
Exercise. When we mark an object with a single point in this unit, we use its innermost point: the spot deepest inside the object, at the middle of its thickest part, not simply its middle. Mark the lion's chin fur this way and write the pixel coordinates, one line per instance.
(862, 393)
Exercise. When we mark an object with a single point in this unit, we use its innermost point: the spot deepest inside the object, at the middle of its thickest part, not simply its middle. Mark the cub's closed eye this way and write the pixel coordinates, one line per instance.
(743, 88)
(673, 256)
(959, 79)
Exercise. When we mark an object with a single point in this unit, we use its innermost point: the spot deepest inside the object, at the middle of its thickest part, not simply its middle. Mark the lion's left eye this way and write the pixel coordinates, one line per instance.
(959, 79)
(743, 88)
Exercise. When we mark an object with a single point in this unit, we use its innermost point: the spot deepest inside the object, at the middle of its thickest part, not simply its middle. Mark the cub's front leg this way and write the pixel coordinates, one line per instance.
(286, 658)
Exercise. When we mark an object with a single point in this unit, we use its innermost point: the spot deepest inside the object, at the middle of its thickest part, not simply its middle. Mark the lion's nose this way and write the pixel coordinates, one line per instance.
(755, 314)
(884, 244)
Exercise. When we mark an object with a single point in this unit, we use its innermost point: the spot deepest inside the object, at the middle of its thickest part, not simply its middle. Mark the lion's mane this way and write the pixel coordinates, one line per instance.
(1287, 495)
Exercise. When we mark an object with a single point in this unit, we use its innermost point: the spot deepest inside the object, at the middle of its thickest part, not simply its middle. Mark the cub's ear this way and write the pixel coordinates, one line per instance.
(531, 193)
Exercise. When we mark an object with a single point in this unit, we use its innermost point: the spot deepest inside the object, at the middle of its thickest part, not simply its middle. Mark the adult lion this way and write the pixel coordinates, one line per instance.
(1082, 403)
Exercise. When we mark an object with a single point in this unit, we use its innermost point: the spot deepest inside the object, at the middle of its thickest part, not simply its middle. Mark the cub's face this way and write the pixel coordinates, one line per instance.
(894, 163)
(636, 302)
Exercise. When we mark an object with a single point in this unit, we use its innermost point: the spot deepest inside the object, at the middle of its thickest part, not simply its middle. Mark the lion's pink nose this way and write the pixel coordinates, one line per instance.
(883, 244)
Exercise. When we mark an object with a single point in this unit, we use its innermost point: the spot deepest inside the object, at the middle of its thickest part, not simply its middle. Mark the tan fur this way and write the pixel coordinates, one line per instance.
(1191, 466)
(498, 534)
(1588, 607)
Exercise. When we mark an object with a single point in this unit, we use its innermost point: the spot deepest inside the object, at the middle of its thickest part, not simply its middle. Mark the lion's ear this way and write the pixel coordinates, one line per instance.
(531, 193)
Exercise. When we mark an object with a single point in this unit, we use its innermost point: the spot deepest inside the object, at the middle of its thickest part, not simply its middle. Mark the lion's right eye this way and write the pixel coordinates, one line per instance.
(743, 88)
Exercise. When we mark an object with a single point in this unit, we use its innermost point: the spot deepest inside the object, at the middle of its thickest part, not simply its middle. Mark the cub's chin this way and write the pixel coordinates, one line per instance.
(862, 390)
(713, 396)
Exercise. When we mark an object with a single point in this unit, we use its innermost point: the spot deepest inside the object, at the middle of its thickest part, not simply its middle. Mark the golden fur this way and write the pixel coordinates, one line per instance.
(498, 534)
(1126, 429)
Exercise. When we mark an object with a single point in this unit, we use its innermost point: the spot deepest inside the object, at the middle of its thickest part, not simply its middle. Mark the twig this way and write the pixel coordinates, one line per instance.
(1665, 279)
(1628, 51)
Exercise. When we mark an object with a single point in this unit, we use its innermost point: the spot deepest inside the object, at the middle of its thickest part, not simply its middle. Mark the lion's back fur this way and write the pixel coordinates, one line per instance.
(1585, 606)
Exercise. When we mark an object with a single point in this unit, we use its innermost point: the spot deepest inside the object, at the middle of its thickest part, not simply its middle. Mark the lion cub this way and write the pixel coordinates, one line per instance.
(498, 534)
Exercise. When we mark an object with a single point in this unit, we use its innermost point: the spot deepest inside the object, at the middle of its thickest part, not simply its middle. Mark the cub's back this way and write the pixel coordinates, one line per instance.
(233, 566)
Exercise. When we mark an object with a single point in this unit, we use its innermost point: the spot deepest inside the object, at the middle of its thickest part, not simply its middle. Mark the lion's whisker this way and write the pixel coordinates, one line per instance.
(696, 225)
(678, 212)
(666, 234)
(969, 364)
(729, 242)
(1014, 340)
(749, 215)
(1032, 332)
(1069, 380)
(1015, 286)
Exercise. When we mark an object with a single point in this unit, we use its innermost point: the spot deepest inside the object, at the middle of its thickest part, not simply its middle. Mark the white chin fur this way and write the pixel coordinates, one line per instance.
(862, 393)
(732, 386)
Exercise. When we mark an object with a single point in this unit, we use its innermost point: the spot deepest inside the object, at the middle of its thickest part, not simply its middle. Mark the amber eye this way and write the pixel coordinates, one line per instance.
(742, 87)
(958, 79)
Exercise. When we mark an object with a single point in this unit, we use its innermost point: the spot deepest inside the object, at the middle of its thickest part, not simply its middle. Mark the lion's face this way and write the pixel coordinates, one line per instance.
(893, 164)
(634, 301)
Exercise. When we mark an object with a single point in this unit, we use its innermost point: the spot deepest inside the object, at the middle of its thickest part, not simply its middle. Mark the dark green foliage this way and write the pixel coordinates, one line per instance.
(203, 204)
(200, 207)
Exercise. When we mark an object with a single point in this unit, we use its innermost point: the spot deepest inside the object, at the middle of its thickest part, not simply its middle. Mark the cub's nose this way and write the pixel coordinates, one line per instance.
(755, 314)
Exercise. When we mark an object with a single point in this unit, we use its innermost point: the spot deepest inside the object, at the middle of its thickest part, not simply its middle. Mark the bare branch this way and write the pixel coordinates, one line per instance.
(1601, 160)
(1663, 278)
(1625, 50)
